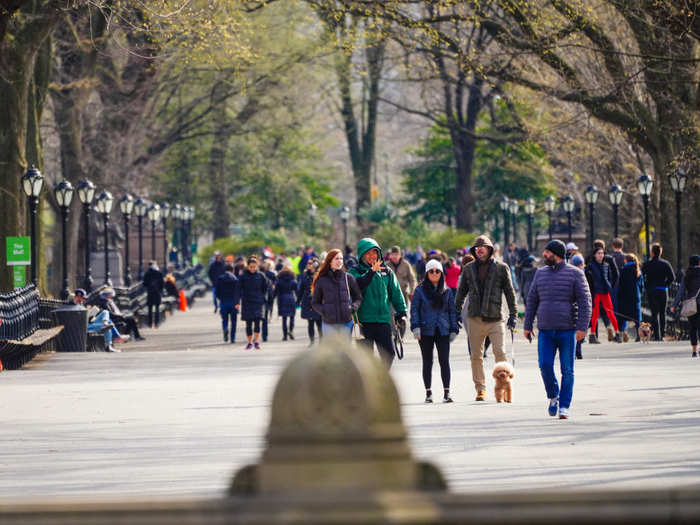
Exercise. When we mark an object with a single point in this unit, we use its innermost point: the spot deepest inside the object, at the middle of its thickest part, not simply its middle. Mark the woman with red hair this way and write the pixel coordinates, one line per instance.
(335, 295)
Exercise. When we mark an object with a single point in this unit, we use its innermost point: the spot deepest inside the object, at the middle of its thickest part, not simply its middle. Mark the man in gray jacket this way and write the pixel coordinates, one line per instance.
(560, 299)
(485, 281)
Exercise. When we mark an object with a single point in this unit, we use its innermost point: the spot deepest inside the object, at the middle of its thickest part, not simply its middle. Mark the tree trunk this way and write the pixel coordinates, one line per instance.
(217, 169)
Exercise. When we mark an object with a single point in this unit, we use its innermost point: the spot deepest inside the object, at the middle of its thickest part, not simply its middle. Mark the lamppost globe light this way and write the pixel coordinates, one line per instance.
(529, 206)
(154, 212)
(568, 203)
(104, 202)
(32, 182)
(86, 192)
(591, 194)
(678, 179)
(345, 213)
(645, 184)
(165, 210)
(141, 207)
(504, 203)
(549, 203)
(513, 206)
(126, 204)
(615, 194)
(190, 213)
(64, 193)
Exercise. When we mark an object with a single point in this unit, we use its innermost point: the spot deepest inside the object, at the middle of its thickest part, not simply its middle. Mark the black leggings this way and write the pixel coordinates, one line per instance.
(442, 342)
(379, 333)
(694, 327)
(657, 305)
(311, 328)
(286, 331)
(249, 326)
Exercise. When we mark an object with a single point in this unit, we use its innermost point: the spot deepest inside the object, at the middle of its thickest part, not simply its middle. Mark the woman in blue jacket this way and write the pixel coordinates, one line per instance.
(629, 295)
(286, 292)
(434, 324)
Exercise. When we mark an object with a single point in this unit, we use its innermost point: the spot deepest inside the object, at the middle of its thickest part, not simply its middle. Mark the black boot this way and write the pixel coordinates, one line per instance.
(291, 335)
(225, 335)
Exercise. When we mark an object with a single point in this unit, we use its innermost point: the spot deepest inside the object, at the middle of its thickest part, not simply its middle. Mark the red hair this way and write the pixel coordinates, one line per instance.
(325, 266)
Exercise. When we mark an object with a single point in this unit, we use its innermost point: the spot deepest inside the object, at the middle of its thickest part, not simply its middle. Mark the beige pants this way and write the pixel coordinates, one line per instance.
(478, 331)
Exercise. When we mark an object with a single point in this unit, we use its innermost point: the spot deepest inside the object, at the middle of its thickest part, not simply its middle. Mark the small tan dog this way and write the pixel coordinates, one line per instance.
(644, 332)
(503, 373)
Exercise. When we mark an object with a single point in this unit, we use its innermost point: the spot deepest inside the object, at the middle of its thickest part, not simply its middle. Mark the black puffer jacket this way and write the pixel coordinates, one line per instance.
(253, 287)
(330, 297)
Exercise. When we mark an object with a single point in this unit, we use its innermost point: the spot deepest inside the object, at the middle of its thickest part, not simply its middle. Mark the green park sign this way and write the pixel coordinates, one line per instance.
(19, 276)
(17, 251)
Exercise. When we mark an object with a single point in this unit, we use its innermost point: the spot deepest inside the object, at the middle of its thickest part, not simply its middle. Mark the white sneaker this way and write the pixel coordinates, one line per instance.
(563, 413)
(111, 348)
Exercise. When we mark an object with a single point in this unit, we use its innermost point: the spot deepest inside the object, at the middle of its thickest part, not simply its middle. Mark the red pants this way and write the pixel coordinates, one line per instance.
(603, 298)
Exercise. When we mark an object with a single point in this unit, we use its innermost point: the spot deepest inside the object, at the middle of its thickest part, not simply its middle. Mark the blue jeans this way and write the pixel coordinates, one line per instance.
(99, 322)
(548, 342)
(213, 296)
(340, 329)
(228, 311)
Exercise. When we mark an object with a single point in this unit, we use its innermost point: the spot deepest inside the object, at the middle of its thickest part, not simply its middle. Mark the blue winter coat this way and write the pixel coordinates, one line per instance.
(304, 294)
(629, 294)
(286, 291)
(253, 287)
(560, 299)
(600, 278)
(429, 319)
(227, 288)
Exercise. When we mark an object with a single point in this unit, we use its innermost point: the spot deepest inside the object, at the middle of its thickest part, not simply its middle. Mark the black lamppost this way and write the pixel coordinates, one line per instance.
(104, 206)
(644, 184)
(185, 249)
(568, 204)
(530, 210)
(64, 195)
(141, 209)
(32, 182)
(513, 209)
(165, 213)
(549, 204)
(678, 179)
(153, 216)
(591, 194)
(177, 215)
(126, 205)
(344, 216)
(504, 208)
(615, 196)
(86, 192)
(192, 237)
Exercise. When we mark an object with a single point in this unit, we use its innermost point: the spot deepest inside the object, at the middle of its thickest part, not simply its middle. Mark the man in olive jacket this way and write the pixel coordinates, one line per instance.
(484, 281)
(380, 291)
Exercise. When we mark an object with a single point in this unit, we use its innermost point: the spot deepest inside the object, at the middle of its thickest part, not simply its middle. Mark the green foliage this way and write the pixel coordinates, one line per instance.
(247, 244)
(377, 212)
(449, 240)
(430, 183)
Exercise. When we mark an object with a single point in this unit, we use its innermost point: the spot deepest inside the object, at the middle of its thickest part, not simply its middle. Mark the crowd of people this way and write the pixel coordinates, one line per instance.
(373, 293)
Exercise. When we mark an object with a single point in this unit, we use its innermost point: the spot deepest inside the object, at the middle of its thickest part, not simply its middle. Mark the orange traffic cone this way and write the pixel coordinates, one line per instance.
(183, 301)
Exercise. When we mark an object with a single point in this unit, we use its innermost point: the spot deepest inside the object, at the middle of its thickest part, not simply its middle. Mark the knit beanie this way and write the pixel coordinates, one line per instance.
(557, 247)
(694, 260)
(577, 260)
(432, 265)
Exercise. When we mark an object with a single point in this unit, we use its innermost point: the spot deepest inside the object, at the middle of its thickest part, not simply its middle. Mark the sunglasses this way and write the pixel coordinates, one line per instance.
(434, 271)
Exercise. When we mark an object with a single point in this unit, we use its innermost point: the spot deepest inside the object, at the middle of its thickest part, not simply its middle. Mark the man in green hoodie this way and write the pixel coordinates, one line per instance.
(380, 291)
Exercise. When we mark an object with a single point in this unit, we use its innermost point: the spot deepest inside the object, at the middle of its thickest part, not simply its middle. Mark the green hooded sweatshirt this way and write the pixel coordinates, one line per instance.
(378, 289)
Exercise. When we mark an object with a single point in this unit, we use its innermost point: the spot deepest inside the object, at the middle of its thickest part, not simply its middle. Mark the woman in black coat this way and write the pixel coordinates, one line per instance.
(629, 295)
(312, 317)
(336, 295)
(286, 292)
(253, 286)
(153, 282)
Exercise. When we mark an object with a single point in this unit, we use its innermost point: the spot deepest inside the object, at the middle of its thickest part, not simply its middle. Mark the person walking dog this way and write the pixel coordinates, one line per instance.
(689, 289)
(658, 275)
(434, 325)
(560, 299)
(335, 295)
(380, 291)
(484, 282)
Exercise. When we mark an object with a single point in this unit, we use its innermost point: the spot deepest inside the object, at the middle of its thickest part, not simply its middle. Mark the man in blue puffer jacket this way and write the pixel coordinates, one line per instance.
(560, 299)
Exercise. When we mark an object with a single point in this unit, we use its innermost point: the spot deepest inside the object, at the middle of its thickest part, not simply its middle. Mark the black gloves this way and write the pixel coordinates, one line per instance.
(511, 322)
(399, 318)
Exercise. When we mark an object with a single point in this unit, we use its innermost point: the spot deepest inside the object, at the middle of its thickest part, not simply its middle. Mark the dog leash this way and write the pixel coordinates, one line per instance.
(512, 346)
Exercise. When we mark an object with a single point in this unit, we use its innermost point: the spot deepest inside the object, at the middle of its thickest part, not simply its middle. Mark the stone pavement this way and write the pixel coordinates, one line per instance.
(179, 413)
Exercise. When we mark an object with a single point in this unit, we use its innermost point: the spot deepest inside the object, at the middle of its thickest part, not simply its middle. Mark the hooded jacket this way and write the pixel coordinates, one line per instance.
(227, 289)
(379, 289)
(485, 299)
(286, 293)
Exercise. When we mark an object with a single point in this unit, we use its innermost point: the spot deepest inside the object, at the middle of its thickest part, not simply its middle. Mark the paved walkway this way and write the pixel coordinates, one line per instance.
(180, 412)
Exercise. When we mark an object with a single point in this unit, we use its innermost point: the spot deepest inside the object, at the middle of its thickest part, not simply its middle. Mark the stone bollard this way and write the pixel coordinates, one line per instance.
(336, 426)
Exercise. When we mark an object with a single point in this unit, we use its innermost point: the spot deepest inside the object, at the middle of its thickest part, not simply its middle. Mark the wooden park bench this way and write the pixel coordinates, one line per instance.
(22, 335)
